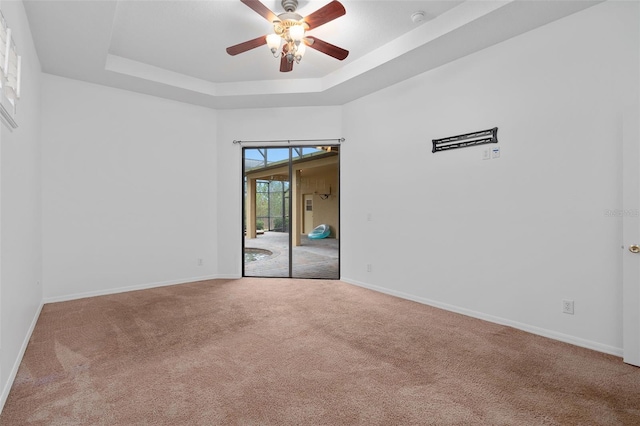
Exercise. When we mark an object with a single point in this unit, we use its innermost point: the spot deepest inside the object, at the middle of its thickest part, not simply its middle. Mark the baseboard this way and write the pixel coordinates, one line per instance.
(229, 277)
(16, 364)
(577, 341)
(67, 297)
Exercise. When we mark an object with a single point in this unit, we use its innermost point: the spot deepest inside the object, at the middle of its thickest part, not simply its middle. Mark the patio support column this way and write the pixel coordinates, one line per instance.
(296, 204)
(250, 207)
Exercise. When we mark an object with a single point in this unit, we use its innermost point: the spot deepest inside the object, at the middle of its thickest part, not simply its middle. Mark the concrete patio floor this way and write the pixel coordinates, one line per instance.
(312, 259)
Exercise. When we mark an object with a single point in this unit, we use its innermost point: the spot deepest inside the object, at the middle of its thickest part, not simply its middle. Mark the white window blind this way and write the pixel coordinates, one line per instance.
(12, 64)
(10, 67)
(3, 48)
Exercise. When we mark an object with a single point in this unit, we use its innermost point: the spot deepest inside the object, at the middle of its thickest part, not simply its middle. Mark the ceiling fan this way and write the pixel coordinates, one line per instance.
(289, 30)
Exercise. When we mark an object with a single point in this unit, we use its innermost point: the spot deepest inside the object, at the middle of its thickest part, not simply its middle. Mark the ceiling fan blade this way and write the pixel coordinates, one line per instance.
(247, 45)
(325, 14)
(327, 48)
(261, 9)
(285, 65)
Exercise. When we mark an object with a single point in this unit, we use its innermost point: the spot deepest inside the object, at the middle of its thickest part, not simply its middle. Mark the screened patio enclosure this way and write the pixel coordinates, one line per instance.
(272, 205)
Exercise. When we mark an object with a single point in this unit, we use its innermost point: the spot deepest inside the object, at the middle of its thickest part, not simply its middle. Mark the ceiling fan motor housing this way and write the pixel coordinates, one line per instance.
(289, 5)
(287, 20)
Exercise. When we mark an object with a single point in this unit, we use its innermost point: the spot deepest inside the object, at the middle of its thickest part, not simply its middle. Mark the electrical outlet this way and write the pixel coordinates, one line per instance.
(369, 267)
(567, 307)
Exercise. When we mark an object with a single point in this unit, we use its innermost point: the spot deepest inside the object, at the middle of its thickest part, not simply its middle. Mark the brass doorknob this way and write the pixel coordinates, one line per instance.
(634, 248)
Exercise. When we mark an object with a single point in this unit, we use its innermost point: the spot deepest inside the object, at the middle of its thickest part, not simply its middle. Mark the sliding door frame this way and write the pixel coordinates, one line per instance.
(291, 206)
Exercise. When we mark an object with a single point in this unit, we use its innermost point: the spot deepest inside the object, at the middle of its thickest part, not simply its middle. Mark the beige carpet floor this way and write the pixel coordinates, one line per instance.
(297, 352)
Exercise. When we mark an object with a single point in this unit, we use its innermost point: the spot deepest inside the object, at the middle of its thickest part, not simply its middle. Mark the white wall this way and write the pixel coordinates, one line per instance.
(20, 211)
(505, 239)
(257, 124)
(129, 192)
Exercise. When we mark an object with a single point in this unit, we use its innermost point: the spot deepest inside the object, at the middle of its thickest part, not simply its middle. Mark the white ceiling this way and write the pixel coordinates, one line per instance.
(176, 49)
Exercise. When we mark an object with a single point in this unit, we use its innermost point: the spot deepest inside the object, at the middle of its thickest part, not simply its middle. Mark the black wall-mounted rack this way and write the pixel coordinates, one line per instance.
(468, 139)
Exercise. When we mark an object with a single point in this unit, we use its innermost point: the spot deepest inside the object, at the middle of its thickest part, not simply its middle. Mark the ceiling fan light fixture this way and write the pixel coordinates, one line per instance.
(296, 32)
(273, 42)
(300, 51)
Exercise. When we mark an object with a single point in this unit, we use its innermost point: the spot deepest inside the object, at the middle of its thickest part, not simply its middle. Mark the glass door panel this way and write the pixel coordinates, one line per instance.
(316, 236)
(266, 212)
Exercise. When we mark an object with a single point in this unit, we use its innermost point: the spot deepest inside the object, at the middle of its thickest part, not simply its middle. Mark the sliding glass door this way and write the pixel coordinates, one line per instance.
(291, 212)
